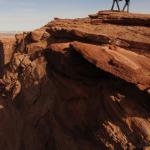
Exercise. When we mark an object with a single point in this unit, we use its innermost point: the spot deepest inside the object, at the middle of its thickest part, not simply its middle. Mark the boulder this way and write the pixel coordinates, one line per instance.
(37, 35)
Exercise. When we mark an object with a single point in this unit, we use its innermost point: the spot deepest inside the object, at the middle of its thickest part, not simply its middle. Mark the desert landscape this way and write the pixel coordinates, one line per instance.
(77, 84)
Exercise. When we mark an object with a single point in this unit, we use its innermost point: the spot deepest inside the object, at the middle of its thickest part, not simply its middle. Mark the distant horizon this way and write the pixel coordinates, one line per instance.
(19, 31)
(27, 15)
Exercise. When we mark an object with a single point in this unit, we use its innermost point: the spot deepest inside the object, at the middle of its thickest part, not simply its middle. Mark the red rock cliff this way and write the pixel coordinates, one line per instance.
(79, 84)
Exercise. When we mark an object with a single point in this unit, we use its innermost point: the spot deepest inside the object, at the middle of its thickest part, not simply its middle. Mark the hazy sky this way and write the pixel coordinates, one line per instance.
(32, 14)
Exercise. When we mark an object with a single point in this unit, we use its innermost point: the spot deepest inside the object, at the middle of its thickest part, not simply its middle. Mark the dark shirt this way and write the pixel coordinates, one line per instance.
(127, 1)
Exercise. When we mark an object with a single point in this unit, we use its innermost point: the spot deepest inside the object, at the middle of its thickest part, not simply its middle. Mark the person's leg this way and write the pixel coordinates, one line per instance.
(118, 4)
(128, 7)
(125, 5)
(113, 5)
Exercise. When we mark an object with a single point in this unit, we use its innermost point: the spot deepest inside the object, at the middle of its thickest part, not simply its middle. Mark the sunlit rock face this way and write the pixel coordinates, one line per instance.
(78, 84)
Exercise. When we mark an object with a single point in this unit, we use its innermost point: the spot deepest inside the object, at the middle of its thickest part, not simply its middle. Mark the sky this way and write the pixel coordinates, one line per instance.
(25, 15)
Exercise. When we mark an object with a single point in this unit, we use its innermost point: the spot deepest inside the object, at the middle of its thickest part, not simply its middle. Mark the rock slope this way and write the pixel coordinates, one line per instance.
(78, 84)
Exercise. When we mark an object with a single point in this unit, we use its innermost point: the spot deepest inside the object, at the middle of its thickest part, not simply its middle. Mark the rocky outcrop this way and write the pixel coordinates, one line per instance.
(117, 61)
(120, 18)
(79, 85)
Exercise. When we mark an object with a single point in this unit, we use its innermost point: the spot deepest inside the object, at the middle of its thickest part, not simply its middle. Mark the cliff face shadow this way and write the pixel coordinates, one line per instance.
(1, 58)
(95, 101)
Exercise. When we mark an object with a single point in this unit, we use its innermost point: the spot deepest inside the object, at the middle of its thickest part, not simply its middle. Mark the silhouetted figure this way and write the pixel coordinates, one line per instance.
(117, 2)
(127, 4)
